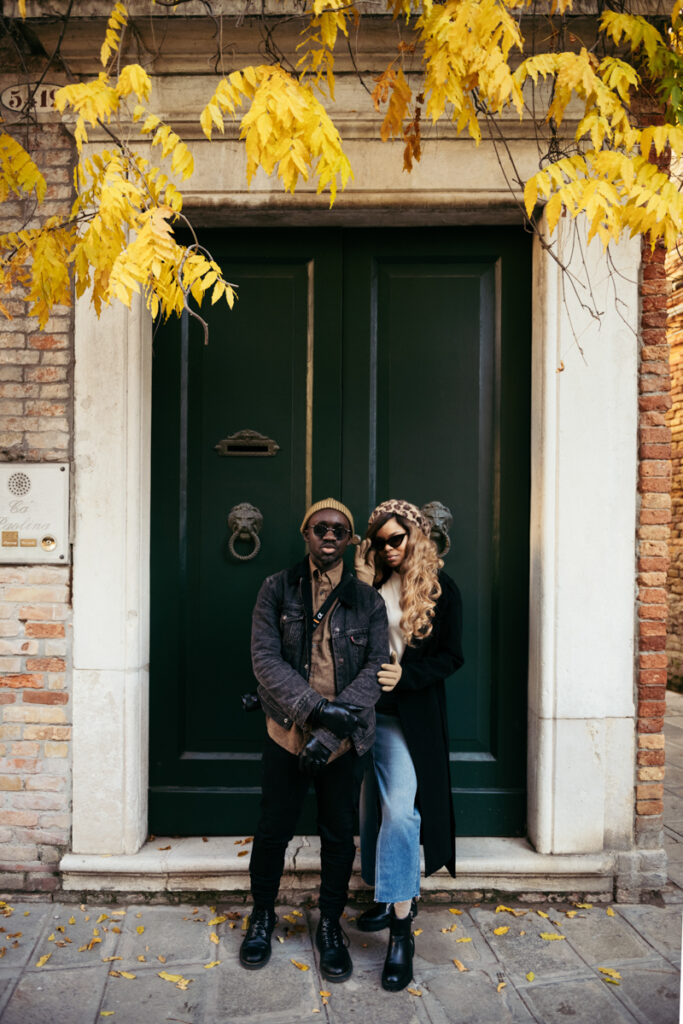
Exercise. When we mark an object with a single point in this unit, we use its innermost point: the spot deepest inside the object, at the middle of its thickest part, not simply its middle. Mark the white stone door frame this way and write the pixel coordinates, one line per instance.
(581, 735)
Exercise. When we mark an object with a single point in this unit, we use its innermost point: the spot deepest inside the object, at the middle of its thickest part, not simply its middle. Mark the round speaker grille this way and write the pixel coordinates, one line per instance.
(19, 483)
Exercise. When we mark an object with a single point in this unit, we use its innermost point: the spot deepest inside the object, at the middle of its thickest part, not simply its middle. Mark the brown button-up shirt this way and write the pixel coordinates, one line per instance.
(321, 676)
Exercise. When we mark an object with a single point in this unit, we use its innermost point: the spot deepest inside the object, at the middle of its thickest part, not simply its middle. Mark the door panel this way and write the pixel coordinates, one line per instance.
(383, 363)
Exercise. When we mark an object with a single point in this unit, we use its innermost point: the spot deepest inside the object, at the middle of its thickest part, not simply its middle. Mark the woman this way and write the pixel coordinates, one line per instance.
(409, 781)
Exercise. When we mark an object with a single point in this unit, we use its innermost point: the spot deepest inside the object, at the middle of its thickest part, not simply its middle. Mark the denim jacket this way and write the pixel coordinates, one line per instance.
(281, 651)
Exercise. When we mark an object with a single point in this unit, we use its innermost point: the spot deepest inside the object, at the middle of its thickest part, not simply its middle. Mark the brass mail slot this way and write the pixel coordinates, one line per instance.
(249, 443)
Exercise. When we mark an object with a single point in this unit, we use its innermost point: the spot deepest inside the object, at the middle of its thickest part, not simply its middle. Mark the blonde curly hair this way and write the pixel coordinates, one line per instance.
(420, 587)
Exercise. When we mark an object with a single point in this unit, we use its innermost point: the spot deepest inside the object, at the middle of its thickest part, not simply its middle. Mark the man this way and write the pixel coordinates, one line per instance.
(319, 637)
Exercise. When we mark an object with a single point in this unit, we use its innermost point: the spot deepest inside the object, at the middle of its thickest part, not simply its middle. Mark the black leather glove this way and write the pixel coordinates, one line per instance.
(336, 716)
(314, 756)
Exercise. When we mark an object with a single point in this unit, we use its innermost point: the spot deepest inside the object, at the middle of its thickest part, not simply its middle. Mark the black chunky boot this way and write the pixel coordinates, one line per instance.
(255, 948)
(398, 966)
(379, 916)
(335, 962)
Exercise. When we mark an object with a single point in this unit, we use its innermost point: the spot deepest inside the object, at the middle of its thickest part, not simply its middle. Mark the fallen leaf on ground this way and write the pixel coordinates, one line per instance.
(43, 960)
(609, 912)
(460, 965)
(140, 914)
(176, 979)
(468, 939)
(116, 929)
(233, 915)
(500, 986)
(414, 991)
(72, 920)
(609, 971)
(302, 967)
(315, 1011)
(418, 931)
(325, 994)
(452, 910)
(571, 913)
(116, 913)
(163, 847)
(204, 839)
(161, 959)
(101, 918)
(51, 938)
(142, 958)
(530, 976)
(140, 929)
(214, 938)
(503, 930)
(106, 1013)
(583, 906)
(245, 923)
(522, 933)
(214, 963)
(280, 939)
(551, 936)
(217, 920)
(510, 910)
(542, 913)
(243, 853)
(108, 959)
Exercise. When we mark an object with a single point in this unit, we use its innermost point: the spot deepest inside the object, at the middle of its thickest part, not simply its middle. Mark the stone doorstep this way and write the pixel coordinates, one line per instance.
(504, 864)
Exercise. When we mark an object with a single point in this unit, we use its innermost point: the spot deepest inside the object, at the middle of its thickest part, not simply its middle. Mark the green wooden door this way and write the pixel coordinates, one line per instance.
(382, 363)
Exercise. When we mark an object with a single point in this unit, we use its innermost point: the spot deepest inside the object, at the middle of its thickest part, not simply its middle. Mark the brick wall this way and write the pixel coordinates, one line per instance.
(36, 369)
(654, 518)
(674, 645)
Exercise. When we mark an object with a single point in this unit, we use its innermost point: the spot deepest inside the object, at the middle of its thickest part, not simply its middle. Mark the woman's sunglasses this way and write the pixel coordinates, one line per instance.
(321, 529)
(395, 541)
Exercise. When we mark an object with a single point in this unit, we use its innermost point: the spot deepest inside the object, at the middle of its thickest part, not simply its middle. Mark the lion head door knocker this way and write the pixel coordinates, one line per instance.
(245, 522)
(441, 520)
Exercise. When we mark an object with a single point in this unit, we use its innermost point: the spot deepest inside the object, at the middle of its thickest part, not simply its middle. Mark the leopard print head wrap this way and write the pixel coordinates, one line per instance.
(395, 507)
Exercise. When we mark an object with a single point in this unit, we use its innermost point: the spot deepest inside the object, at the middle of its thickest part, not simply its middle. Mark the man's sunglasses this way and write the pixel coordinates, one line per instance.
(321, 529)
(395, 541)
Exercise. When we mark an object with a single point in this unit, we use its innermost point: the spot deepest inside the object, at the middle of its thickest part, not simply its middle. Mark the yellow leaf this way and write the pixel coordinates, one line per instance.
(611, 981)
(72, 920)
(161, 959)
(102, 917)
(214, 938)
(43, 960)
(214, 963)
(530, 976)
(418, 931)
(609, 912)
(571, 913)
(217, 920)
(610, 972)
(165, 976)
(542, 913)
(302, 967)
(500, 986)
(583, 906)
(140, 929)
(51, 938)
(551, 936)
(503, 930)
(108, 959)
(414, 991)
(452, 910)
(325, 994)
(468, 939)
(460, 965)
(128, 974)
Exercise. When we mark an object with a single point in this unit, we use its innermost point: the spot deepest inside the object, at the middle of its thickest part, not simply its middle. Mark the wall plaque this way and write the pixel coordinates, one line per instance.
(34, 512)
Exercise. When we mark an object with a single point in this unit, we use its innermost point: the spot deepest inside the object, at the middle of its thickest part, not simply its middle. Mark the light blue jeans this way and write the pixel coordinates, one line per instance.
(389, 819)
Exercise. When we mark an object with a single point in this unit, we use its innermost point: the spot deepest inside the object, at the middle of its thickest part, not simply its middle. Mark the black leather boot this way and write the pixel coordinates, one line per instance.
(379, 915)
(398, 966)
(255, 948)
(335, 962)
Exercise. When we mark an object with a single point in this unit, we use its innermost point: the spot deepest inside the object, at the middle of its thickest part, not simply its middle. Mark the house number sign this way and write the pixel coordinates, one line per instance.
(34, 512)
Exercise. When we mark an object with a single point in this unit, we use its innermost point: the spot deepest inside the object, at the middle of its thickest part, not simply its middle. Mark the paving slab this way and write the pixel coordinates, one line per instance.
(279, 993)
(362, 999)
(582, 1001)
(21, 925)
(651, 992)
(172, 932)
(438, 944)
(522, 949)
(76, 938)
(474, 998)
(147, 998)
(660, 926)
(594, 935)
(70, 996)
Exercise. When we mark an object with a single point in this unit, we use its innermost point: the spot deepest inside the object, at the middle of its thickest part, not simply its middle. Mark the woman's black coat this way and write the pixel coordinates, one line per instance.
(421, 697)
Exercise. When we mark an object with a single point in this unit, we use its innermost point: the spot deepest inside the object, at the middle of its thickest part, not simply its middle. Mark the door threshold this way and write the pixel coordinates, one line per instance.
(221, 864)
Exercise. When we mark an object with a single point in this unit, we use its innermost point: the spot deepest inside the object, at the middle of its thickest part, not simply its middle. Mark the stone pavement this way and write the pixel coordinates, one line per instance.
(136, 963)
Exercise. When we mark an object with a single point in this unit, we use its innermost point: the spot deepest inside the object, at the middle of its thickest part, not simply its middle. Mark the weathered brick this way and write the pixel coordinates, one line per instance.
(646, 725)
(652, 742)
(45, 697)
(25, 818)
(56, 749)
(647, 807)
(47, 732)
(44, 629)
(651, 757)
(45, 664)
(46, 783)
(35, 713)
(21, 680)
(650, 774)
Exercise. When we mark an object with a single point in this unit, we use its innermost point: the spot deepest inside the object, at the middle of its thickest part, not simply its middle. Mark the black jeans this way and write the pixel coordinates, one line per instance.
(284, 788)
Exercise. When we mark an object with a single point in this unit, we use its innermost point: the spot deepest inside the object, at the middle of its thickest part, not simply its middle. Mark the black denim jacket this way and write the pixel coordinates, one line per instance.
(281, 651)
